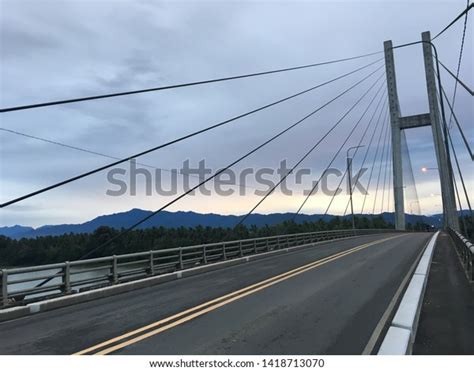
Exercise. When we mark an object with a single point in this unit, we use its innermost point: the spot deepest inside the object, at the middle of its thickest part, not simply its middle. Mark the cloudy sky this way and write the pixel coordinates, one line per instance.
(54, 50)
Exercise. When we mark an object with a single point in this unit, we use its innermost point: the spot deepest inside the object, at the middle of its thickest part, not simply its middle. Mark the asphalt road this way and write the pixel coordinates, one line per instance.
(329, 306)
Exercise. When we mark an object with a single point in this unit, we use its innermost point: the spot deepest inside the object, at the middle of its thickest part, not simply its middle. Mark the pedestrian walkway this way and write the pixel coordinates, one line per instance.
(446, 323)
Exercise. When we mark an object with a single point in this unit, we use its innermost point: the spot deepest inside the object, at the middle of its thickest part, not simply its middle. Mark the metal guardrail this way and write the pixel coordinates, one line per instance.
(28, 284)
(465, 250)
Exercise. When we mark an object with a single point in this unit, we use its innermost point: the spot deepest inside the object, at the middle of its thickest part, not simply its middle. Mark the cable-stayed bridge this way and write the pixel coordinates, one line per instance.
(354, 291)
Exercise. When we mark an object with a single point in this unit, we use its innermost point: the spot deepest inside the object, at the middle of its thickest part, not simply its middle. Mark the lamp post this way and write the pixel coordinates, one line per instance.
(411, 212)
(349, 166)
(411, 203)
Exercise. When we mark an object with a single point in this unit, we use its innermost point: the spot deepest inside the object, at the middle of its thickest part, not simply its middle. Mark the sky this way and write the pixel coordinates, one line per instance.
(52, 50)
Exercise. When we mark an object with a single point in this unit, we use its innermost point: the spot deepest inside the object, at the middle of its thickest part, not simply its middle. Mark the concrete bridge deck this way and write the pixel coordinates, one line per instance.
(327, 299)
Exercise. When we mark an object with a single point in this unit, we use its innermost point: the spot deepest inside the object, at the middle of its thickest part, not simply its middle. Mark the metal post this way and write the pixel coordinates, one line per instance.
(472, 267)
(4, 288)
(181, 263)
(67, 278)
(446, 180)
(204, 255)
(114, 270)
(396, 136)
(152, 263)
(349, 173)
(349, 166)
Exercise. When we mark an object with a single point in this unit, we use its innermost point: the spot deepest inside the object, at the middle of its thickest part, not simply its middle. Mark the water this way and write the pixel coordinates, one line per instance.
(34, 278)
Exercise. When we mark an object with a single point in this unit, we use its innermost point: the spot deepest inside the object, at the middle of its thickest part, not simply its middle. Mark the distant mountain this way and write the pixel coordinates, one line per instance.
(165, 219)
(16, 231)
(182, 219)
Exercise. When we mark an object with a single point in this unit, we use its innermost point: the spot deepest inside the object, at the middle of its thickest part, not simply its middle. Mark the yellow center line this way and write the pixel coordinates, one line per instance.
(216, 303)
(208, 303)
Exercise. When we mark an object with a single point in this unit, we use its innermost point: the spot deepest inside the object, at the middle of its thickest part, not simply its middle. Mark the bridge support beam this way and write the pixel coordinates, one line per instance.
(441, 149)
(395, 122)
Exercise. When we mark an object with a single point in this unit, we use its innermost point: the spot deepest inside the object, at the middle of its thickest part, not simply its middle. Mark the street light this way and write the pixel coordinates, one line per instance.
(411, 212)
(349, 166)
(411, 203)
(425, 169)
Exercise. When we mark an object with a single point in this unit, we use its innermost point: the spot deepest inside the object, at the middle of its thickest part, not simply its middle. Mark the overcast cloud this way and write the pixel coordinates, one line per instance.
(61, 49)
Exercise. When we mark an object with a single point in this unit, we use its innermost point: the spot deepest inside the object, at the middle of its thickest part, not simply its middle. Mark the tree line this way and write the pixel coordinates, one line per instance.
(72, 246)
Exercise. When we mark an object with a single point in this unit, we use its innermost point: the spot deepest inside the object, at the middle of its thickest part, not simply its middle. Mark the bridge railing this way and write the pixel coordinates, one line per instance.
(465, 250)
(28, 284)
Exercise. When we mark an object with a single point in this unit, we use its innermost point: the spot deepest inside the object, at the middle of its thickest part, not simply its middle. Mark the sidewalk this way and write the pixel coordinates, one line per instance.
(447, 316)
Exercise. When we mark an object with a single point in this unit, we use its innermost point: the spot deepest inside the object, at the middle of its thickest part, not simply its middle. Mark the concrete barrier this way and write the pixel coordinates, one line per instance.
(408, 311)
(397, 341)
(401, 334)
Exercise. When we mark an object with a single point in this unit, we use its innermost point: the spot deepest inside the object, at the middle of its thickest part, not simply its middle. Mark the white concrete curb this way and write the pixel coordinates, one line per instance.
(402, 331)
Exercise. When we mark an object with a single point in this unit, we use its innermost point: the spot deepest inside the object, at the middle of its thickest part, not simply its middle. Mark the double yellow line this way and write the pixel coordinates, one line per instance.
(157, 327)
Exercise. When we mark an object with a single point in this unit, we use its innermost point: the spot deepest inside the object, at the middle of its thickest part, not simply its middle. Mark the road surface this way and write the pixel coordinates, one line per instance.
(326, 299)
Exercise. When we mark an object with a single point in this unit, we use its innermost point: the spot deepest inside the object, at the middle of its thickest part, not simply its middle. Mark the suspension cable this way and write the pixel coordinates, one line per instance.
(390, 185)
(465, 11)
(466, 143)
(382, 159)
(339, 185)
(459, 66)
(385, 171)
(182, 85)
(313, 148)
(101, 154)
(174, 141)
(382, 132)
(460, 175)
(463, 221)
(337, 153)
(382, 110)
(458, 80)
(141, 221)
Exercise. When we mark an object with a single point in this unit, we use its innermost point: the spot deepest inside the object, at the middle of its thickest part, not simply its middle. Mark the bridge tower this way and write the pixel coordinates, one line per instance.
(433, 119)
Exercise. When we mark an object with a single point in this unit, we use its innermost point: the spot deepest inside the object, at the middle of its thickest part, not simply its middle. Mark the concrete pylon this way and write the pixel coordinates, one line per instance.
(441, 149)
(396, 136)
(433, 119)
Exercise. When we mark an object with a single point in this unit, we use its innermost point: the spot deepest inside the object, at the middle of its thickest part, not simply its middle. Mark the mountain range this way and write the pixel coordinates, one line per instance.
(182, 219)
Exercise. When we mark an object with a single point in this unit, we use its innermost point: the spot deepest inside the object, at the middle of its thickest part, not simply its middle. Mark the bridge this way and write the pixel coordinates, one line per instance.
(345, 291)
(264, 296)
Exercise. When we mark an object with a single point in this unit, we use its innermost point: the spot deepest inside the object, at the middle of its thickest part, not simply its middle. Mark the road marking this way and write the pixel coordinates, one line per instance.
(211, 305)
(175, 316)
